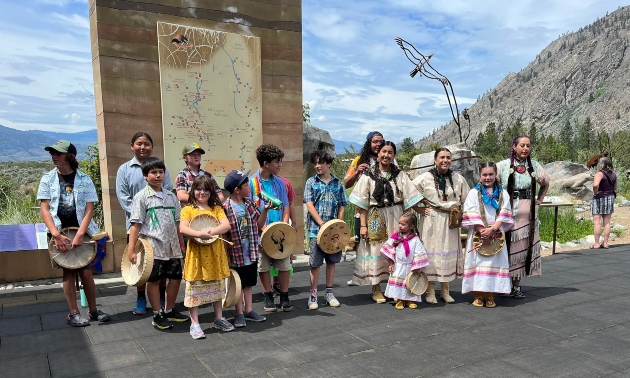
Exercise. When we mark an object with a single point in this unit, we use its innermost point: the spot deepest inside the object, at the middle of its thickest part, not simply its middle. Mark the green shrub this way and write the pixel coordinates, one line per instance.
(569, 227)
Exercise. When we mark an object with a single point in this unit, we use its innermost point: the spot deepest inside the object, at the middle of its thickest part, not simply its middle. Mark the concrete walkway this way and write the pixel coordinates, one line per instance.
(575, 322)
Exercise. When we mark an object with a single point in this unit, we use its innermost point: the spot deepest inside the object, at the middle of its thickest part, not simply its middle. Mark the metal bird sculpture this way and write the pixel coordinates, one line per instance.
(423, 67)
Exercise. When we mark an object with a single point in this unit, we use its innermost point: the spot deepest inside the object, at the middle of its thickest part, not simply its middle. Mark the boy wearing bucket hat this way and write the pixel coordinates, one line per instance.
(67, 198)
(192, 156)
(245, 222)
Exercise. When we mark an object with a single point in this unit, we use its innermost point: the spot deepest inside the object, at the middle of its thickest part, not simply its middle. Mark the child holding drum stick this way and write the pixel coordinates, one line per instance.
(325, 200)
(206, 266)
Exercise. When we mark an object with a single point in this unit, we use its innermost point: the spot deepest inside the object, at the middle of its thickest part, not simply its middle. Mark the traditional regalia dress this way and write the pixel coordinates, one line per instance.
(385, 195)
(490, 274)
(408, 254)
(524, 238)
(443, 244)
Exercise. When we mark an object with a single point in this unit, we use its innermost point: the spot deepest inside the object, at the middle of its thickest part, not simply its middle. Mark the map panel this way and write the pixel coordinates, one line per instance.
(211, 95)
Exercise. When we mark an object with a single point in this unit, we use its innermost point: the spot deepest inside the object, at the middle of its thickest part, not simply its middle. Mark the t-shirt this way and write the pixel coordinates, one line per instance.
(273, 215)
(241, 219)
(67, 212)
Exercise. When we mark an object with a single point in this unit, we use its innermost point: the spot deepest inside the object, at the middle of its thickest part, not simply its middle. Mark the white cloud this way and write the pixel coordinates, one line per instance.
(74, 20)
(11, 103)
(73, 117)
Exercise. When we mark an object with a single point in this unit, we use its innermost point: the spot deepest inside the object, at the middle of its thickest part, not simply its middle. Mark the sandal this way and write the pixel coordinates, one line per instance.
(100, 316)
(593, 247)
(400, 305)
(76, 320)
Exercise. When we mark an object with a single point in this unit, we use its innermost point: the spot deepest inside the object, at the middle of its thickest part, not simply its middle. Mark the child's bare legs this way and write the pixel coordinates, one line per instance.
(172, 288)
(315, 278)
(153, 292)
(69, 289)
(265, 278)
(194, 315)
(247, 298)
(218, 310)
(597, 230)
(87, 281)
(330, 274)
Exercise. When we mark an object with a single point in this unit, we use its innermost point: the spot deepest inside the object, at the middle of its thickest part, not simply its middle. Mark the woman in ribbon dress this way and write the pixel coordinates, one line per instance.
(442, 189)
(522, 176)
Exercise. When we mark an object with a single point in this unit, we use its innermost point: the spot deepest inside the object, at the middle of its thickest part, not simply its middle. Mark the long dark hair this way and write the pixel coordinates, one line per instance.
(436, 174)
(141, 134)
(72, 160)
(532, 200)
(204, 182)
(366, 151)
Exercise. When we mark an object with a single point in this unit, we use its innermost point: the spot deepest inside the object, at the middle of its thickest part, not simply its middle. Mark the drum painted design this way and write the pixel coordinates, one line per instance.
(279, 239)
(333, 236)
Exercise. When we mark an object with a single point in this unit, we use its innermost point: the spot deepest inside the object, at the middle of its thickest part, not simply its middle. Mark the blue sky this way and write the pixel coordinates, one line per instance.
(355, 77)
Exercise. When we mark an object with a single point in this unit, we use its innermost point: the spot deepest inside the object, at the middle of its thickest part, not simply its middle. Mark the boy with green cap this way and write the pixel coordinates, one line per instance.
(192, 156)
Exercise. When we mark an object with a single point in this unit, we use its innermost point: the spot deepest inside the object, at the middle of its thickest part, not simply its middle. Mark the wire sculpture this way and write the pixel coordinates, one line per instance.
(424, 68)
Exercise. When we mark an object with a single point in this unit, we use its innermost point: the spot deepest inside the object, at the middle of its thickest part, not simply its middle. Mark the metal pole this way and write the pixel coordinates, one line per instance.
(555, 229)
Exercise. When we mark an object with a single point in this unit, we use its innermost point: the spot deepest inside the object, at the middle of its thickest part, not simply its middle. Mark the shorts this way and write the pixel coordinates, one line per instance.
(281, 265)
(248, 274)
(317, 256)
(171, 269)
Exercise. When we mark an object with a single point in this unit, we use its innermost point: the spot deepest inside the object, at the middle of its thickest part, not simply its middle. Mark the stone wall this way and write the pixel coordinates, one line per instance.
(127, 81)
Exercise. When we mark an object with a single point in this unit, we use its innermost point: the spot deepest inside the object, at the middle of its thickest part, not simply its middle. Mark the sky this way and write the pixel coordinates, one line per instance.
(355, 77)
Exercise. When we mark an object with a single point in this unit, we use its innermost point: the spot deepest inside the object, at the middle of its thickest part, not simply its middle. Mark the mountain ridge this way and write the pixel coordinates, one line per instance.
(19, 145)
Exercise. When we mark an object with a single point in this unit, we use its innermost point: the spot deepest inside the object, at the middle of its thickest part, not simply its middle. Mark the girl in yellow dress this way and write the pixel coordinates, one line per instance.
(206, 265)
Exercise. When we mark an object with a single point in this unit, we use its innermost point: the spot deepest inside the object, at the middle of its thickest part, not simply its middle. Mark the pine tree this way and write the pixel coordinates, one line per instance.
(566, 140)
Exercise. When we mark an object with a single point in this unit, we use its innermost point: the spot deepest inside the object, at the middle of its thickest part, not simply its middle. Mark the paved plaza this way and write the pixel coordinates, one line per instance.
(575, 322)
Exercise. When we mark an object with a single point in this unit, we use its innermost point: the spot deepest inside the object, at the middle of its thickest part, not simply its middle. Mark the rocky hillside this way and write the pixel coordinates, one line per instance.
(18, 145)
(581, 74)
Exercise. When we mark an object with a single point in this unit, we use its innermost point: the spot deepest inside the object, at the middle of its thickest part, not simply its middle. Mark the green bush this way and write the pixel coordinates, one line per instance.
(569, 227)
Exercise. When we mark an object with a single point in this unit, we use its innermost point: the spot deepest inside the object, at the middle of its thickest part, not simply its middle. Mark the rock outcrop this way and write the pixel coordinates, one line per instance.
(573, 179)
(314, 139)
(469, 168)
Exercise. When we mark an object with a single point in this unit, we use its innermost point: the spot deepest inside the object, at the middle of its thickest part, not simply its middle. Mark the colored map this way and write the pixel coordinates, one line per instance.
(212, 95)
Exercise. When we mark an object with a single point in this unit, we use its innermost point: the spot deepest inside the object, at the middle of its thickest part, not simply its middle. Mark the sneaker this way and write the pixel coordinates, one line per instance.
(270, 304)
(175, 316)
(510, 295)
(141, 306)
(516, 293)
(99, 316)
(254, 317)
(331, 300)
(223, 325)
(160, 321)
(352, 283)
(76, 320)
(239, 321)
(285, 303)
(312, 303)
(276, 290)
(196, 332)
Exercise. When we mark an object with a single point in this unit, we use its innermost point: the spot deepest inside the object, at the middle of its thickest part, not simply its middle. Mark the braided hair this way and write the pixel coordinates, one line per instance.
(482, 209)
(532, 208)
(366, 151)
(437, 175)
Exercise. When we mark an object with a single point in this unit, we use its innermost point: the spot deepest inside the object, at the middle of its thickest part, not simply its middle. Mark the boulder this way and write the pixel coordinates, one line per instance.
(573, 179)
(469, 168)
(314, 139)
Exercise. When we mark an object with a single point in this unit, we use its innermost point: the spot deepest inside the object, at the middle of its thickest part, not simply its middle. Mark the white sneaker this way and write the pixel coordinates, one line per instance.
(312, 303)
(331, 300)
(351, 283)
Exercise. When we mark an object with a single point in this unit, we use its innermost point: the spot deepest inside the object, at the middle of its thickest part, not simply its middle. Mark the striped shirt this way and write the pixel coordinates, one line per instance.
(159, 216)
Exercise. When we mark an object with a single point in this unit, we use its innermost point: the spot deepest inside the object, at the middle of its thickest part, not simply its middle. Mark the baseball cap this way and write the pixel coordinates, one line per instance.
(63, 146)
(192, 147)
(235, 179)
(371, 134)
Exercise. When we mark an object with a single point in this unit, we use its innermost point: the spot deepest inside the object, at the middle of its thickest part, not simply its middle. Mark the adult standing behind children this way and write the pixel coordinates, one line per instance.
(192, 156)
(269, 157)
(381, 195)
(325, 200)
(129, 181)
(155, 215)
(76, 211)
(442, 189)
(206, 266)
(245, 222)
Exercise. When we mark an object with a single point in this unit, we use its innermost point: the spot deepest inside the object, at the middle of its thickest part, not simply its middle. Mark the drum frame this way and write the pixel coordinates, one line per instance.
(54, 253)
(147, 261)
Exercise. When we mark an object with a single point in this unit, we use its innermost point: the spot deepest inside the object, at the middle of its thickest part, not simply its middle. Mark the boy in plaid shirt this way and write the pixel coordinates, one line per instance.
(325, 200)
(245, 221)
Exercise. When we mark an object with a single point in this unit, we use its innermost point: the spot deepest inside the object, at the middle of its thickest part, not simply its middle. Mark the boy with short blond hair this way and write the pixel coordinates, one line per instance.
(325, 200)
(192, 156)
(155, 215)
